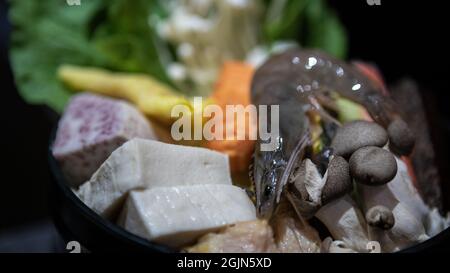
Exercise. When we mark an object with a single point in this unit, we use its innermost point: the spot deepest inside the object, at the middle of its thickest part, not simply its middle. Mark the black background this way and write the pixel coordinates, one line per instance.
(404, 38)
(24, 136)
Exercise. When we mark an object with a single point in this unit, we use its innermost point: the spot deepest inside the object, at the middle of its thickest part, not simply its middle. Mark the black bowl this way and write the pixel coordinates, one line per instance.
(77, 222)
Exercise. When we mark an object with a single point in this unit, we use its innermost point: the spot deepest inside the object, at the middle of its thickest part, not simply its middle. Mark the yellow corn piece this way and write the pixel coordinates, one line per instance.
(349, 110)
(150, 96)
(316, 132)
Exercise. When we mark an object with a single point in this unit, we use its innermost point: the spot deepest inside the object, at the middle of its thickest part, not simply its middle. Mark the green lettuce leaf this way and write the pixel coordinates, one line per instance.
(112, 34)
(310, 22)
(324, 29)
(117, 35)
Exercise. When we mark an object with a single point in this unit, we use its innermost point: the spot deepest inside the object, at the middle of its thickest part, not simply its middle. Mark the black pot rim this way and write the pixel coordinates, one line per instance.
(97, 221)
(115, 231)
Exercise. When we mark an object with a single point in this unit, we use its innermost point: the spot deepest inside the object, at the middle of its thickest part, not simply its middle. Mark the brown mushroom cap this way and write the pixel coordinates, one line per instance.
(401, 139)
(356, 134)
(338, 181)
(380, 217)
(373, 166)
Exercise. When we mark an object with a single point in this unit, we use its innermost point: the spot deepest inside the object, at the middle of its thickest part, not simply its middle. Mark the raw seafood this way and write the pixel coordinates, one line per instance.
(285, 234)
(271, 169)
(291, 81)
(91, 128)
(244, 237)
(310, 71)
(423, 157)
(293, 234)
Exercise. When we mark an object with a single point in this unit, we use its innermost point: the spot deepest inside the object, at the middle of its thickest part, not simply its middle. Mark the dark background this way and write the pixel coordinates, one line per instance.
(404, 38)
(24, 138)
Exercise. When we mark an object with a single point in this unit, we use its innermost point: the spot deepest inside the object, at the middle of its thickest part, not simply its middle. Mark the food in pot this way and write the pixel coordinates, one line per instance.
(177, 216)
(91, 128)
(353, 165)
(145, 164)
(250, 237)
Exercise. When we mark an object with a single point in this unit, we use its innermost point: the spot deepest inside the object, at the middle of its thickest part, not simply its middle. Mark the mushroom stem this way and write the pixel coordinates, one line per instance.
(345, 222)
(330, 246)
(414, 220)
(380, 217)
(327, 198)
(404, 190)
(435, 223)
(407, 229)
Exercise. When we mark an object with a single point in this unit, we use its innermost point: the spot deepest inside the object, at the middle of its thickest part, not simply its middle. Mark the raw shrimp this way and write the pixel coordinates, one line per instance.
(292, 80)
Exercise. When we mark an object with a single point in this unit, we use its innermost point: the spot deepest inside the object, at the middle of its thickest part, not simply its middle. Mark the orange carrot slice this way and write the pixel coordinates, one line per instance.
(233, 88)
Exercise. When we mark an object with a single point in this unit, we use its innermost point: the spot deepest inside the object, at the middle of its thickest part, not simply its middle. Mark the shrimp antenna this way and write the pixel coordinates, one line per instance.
(298, 150)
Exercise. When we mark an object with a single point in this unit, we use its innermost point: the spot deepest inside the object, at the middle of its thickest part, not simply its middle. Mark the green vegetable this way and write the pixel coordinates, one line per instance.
(311, 22)
(284, 19)
(117, 35)
(127, 39)
(324, 30)
(349, 110)
(111, 34)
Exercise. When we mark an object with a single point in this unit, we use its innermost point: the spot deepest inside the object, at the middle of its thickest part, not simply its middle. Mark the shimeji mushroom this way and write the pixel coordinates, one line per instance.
(372, 166)
(404, 190)
(435, 223)
(328, 199)
(345, 222)
(401, 138)
(407, 210)
(407, 229)
(380, 217)
(401, 203)
(357, 134)
(336, 246)
(397, 224)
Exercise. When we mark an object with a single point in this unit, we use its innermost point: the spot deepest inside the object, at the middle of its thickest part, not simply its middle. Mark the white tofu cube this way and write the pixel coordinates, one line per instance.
(176, 216)
(145, 164)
